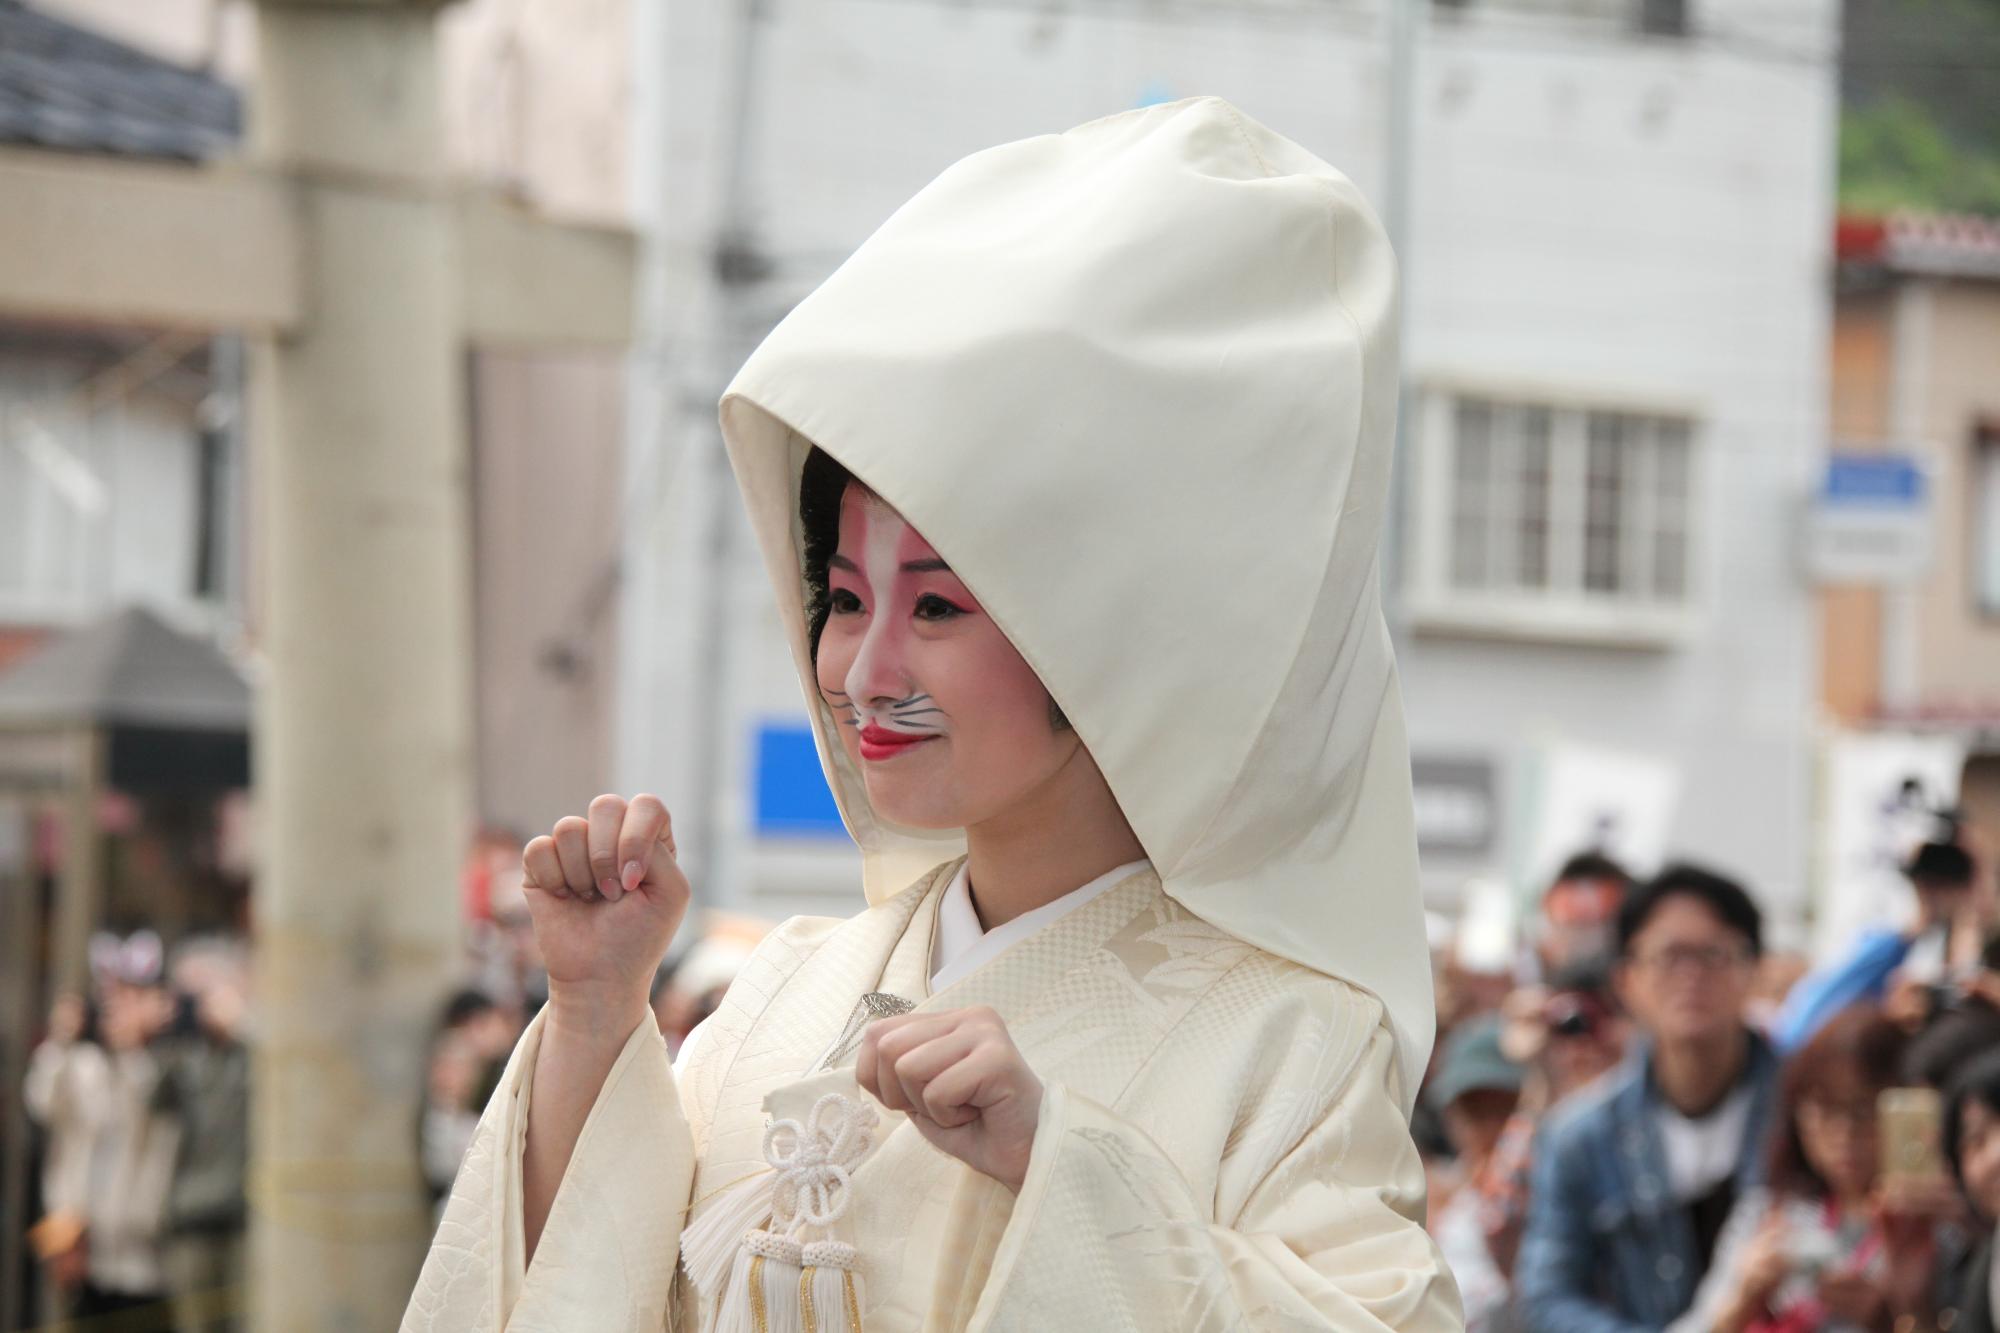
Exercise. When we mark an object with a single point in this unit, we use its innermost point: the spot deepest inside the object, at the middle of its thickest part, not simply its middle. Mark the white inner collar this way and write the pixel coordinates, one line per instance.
(958, 945)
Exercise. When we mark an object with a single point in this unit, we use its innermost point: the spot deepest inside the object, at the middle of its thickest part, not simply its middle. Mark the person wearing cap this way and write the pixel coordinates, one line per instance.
(1475, 1091)
(1070, 483)
(1942, 879)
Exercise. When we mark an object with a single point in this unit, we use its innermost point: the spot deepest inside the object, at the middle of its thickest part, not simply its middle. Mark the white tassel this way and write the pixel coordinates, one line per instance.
(710, 1243)
(732, 1307)
(772, 1286)
(763, 1291)
(781, 1271)
(829, 1288)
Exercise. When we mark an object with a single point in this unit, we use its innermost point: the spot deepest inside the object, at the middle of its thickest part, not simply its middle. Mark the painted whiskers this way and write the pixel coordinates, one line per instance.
(915, 715)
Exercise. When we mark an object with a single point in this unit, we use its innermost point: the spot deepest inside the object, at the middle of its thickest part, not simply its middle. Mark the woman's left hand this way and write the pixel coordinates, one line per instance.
(963, 1083)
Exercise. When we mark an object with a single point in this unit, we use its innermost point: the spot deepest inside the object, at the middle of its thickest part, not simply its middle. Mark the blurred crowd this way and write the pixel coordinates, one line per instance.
(1650, 1121)
(140, 1095)
(1644, 1120)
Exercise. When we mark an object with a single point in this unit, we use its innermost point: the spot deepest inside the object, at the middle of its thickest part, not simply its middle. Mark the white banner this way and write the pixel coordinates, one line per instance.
(1882, 793)
(1588, 799)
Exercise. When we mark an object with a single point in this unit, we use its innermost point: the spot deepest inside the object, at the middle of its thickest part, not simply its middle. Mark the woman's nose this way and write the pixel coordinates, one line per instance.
(879, 673)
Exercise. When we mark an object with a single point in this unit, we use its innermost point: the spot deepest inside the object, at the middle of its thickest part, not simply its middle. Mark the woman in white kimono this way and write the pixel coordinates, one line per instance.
(1070, 482)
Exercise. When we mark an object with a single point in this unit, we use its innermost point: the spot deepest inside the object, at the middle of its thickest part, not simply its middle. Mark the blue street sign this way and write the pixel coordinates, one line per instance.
(1894, 481)
(792, 798)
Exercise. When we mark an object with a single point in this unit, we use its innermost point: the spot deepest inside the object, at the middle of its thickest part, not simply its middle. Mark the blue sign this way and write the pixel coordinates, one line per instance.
(792, 798)
(1892, 481)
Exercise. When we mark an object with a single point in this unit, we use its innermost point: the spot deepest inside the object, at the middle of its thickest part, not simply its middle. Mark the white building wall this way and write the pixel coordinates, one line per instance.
(1609, 215)
(1657, 224)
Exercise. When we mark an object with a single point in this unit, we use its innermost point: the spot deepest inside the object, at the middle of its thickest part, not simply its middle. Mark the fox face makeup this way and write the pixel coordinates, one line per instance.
(946, 721)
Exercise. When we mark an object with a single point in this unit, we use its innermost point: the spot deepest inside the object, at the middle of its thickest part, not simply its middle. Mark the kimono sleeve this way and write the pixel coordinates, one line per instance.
(608, 1251)
(1106, 1233)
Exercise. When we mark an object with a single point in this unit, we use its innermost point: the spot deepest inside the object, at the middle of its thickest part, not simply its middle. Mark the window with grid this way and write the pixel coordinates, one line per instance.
(1555, 512)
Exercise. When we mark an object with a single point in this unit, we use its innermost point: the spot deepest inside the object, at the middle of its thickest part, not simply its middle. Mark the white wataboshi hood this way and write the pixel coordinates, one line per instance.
(1137, 385)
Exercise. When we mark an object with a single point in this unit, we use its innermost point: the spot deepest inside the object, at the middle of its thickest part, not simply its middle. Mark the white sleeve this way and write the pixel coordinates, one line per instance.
(607, 1255)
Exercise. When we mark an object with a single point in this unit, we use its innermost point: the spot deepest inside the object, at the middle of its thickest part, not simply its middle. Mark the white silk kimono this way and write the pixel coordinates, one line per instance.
(1220, 1147)
(1137, 384)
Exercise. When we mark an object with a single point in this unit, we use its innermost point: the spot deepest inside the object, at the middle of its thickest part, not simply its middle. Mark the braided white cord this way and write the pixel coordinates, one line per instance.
(813, 1161)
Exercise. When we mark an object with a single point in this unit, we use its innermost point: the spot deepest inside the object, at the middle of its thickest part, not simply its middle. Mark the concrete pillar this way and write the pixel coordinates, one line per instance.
(363, 760)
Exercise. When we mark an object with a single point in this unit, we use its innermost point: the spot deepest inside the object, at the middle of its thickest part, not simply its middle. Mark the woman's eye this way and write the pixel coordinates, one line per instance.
(842, 602)
(930, 606)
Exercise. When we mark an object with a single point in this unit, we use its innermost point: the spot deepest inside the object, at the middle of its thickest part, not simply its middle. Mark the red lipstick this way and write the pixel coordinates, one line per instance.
(879, 743)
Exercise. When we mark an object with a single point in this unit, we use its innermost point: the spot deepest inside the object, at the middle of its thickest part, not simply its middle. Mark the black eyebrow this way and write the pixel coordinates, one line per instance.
(842, 562)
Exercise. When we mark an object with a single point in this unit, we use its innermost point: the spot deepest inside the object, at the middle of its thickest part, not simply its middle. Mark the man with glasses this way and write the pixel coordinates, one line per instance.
(1633, 1180)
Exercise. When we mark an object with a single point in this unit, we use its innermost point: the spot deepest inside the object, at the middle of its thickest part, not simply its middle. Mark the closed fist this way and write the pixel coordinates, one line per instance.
(607, 896)
(963, 1083)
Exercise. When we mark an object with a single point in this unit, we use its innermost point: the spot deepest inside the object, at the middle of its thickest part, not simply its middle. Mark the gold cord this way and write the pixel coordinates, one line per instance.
(758, 1319)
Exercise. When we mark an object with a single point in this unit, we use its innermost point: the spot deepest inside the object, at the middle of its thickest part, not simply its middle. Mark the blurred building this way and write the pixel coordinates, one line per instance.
(120, 470)
(1616, 348)
(356, 579)
(123, 475)
(1618, 316)
(1912, 604)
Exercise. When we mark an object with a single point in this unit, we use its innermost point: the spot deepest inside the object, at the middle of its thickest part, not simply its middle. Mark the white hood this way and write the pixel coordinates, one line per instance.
(1137, 384)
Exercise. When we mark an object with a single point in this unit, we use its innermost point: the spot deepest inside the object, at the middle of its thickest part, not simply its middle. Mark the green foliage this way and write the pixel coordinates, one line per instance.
(1920, 127)
(1894, 154)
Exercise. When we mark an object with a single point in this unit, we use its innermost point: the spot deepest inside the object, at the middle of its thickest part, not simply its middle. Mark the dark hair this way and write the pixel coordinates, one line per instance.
(1723, 896)
(1953, 1038)
(1856, 1042)
(1943, 865)
(466, 1005)
(822, 484)
(1592, 865)
(1979, 1081)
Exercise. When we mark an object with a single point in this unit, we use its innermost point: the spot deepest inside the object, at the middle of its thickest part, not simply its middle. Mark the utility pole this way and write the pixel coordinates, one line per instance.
(1402, 20)
(678, 692)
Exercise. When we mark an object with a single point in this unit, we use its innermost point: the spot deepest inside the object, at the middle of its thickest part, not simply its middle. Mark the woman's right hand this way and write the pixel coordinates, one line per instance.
(606, 895)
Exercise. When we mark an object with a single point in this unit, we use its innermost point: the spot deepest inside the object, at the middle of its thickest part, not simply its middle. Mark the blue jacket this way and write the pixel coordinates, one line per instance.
(1607, 1250)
